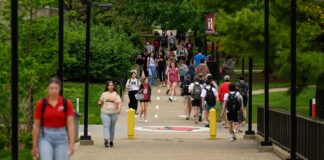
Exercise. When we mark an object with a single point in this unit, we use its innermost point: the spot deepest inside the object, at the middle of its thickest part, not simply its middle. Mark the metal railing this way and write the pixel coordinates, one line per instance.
(310, 133)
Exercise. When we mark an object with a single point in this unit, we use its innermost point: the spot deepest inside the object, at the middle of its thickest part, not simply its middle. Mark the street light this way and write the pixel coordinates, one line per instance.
(86, 139)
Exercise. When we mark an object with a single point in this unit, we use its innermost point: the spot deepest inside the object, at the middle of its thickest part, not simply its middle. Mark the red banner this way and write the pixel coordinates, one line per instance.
(210, 24)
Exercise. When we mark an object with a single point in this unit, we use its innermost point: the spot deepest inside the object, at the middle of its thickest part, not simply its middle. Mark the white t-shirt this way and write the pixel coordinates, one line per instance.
(204, 92)
(191, 86)
(237, 94)
(133, 84)
(151, 62)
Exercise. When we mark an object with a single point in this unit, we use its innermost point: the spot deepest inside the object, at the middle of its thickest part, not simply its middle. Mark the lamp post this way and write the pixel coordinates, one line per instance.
(61, 42)
(86, 139)
(266, 141)
(14, 79)
(293, 127)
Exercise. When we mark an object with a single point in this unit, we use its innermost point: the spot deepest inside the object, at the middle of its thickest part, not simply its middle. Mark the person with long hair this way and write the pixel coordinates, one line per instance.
(173, 79)
(53, 131)
(132, 85)
(161, 69)
(110, 104)
(145, 89)
(151, 63)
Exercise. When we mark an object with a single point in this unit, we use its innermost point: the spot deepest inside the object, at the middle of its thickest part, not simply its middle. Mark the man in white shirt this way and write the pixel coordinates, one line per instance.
(209, 98)
(233, 103)
(195, 89)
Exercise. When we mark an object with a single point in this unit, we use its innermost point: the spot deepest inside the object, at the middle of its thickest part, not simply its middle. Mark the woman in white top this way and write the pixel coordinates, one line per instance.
(151, 63)
(132, 86)
(110, 104)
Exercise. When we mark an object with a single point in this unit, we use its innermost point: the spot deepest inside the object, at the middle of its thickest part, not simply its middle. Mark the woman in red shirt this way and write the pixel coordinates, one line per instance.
(173, 79)
(145, 88)
(53, 131)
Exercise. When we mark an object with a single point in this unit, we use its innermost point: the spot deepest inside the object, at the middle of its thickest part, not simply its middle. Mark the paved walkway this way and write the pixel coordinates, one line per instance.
(271, 90)
(168, 146)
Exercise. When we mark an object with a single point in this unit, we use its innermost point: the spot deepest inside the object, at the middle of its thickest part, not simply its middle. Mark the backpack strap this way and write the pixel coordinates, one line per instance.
(65, 109)
(44, 105)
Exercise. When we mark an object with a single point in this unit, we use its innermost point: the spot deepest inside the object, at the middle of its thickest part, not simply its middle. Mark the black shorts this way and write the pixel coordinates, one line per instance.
(196, 102)
(232, 116)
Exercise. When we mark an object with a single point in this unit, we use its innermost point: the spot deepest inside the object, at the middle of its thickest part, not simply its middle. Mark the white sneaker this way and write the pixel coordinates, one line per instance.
(174, 98)
(146, 121)
(170, 99)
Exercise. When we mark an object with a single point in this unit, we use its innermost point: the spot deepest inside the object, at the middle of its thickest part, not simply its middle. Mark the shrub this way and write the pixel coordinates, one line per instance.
(112, 53)
(26, 138)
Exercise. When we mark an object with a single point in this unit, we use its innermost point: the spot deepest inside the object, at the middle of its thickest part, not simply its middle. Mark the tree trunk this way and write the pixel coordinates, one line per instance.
(30, 110)
(320, 96)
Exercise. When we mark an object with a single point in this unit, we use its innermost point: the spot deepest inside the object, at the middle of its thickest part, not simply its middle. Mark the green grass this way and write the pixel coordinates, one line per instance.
(281, 100)
(23, 155)
(260, 85)
(76, 90)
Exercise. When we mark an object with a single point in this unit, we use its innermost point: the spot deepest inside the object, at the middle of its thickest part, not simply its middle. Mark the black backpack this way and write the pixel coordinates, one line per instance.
(210, 97)
(243, 88)
(233, 103)
(44, 105)
(185, 88)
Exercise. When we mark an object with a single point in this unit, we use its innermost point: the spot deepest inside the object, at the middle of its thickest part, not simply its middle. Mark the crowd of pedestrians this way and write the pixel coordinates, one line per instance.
(173, 61)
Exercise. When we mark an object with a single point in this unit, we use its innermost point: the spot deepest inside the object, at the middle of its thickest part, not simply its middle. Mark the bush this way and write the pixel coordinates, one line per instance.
(112, 53)
(26, 138)
(4, 142)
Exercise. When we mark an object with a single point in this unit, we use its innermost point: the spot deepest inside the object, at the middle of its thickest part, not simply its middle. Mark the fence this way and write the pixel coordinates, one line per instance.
(310, 133)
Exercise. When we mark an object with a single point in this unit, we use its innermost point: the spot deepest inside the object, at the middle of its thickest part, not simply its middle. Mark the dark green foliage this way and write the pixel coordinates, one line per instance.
(112, 53)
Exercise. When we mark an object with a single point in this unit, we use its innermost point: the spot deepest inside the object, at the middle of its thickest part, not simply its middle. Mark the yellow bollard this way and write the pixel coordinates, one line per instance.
(131, 123)
(212, 123)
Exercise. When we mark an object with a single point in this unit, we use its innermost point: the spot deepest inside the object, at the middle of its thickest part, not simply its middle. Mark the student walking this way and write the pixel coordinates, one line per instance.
(198, 57)
(161, 69)
(132, 86)
(172, 41)
(174, 79)
(195, 89)
(140, 65)
(233, 103)
(223, 89)
(208, 99)
(186, 96)
(183, 69)
(145, 89)
(151, 63)
(202, 69)
(243, 88)
(110, 104)
(53, 131)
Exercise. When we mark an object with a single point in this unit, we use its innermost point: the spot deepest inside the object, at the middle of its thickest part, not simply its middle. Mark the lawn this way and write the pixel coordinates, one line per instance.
(23, 154)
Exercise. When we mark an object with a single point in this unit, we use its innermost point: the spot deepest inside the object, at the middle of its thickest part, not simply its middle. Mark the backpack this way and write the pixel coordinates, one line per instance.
(185, 89)
(233, 103)
(243, 88)
(210, 97)
(196, 91)
(44, 105)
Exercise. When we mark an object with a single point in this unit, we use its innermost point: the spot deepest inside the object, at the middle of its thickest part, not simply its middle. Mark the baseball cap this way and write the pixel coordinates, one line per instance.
(226, 78)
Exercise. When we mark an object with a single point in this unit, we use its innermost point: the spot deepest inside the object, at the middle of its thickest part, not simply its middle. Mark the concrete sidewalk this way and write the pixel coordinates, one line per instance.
(168, 146)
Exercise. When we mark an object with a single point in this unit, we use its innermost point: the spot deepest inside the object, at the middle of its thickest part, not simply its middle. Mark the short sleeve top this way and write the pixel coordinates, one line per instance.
(109, 101)
(54, 116)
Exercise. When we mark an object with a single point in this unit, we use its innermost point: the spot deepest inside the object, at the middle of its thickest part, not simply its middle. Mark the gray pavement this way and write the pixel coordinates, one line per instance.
(168, 146)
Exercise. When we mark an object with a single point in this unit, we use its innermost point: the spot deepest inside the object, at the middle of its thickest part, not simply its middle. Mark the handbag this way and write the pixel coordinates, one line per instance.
(139, 96)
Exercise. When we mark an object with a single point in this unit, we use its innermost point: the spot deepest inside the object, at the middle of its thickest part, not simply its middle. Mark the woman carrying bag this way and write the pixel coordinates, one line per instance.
(110, 104)
(144, 96)
(132, 86)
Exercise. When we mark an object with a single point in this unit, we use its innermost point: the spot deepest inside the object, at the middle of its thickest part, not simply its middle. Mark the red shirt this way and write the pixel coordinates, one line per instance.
(54, 116)
(223, 89)
(146, 92)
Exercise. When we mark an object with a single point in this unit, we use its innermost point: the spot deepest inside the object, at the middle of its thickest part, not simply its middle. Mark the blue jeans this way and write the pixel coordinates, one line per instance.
(109, 123)
(151, 71)
(53, 145)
